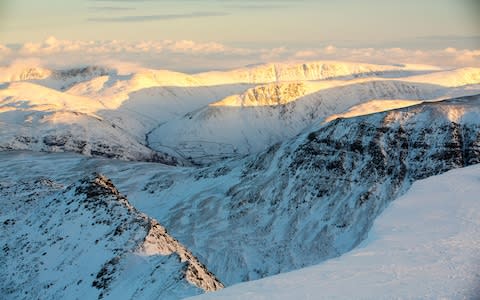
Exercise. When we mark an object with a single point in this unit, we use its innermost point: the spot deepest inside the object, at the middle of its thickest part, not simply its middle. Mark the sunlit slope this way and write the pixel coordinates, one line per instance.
(208, 116)
(266, 114)
(34, 117)
(319, 70)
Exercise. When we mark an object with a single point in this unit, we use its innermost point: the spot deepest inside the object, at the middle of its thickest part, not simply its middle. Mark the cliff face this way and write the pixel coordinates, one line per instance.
(315, 197)
(88, 240)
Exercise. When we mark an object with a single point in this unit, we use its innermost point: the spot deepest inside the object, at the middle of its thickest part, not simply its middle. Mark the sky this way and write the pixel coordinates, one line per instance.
(377, 23)
(300, 25)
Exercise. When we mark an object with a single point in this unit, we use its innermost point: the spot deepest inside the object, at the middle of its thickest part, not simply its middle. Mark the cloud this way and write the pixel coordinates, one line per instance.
(125, 1)
(218, 1)
(4, 50)
(258, 6)
(111, 8)
(462, 41)
(448, 57)
(450, 37)
(193, 56)
(159, 17)
(53, 46)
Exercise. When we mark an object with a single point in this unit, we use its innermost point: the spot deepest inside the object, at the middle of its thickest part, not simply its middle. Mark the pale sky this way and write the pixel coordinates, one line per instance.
(426, 24)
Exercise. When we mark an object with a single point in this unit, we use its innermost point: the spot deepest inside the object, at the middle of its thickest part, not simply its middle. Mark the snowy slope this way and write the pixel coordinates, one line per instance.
(108, 115)
(341, 141)
(302, 201)
(38, 118)
(264, 73)
(298, 203)
(57, 79)
(313, 198)
(423, 246)
(267, 114)
(85, 240)
(317, 70)
(176, 118)
(372, 106)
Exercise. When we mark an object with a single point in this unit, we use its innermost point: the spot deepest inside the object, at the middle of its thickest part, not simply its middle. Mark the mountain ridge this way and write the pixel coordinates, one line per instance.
(97, 234)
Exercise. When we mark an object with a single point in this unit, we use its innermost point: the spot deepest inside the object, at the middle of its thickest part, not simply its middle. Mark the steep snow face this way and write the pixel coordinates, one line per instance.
(423, 246)
(87, 241)
(265, 115)
(285, 92)
(268, 95)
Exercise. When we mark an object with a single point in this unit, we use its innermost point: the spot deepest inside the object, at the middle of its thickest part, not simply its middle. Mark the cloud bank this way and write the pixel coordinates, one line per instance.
(191, 56)
(160, 17)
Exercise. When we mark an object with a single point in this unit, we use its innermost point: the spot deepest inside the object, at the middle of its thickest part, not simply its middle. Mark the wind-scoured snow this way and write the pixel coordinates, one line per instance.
(423, 246)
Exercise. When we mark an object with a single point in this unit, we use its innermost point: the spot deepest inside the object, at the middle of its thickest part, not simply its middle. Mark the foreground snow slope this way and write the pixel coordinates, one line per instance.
(425, 245)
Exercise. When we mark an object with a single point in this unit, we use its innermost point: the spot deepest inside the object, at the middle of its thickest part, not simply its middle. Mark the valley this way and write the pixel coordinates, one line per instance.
(180, 184)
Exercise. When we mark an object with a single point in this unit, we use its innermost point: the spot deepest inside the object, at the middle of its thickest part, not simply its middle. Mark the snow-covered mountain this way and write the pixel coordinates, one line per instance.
(57, 79)
(301, 160)
(313, 198)
(175, 118)
(319, 70)
(86, 241)
(298, 203)
(267, 114)
(424, 246)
